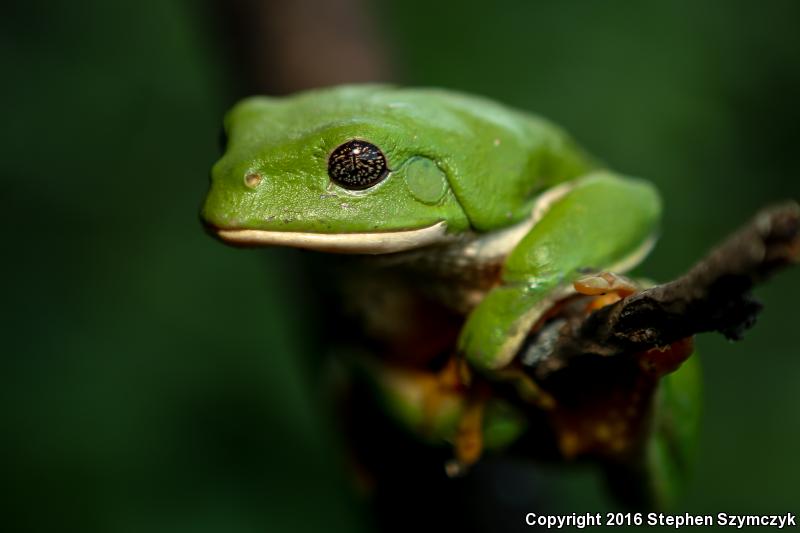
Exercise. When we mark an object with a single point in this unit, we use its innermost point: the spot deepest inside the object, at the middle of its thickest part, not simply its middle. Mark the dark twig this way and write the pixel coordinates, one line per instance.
(713, 296)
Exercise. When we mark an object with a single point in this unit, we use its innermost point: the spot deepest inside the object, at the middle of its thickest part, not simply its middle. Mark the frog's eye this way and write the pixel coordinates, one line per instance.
(357, 165)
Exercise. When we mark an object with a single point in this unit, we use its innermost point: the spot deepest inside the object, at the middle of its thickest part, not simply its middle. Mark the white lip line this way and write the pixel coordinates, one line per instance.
(355, 243)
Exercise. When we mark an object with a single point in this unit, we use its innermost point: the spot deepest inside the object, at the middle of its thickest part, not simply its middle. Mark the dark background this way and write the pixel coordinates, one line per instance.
(155, 380)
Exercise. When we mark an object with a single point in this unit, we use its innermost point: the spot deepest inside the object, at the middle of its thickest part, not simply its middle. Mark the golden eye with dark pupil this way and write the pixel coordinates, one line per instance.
(357, 165)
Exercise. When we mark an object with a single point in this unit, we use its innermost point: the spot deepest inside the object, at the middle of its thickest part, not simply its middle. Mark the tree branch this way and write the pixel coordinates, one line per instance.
(713, 296)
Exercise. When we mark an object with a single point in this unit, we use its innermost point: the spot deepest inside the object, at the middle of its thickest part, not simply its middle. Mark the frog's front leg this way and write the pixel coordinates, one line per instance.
(605, 222)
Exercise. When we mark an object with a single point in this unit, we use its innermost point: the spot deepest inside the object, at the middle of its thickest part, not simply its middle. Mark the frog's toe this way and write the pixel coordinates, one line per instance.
(605, 283)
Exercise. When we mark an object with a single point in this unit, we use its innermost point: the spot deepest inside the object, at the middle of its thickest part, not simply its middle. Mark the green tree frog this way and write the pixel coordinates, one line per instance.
(499, 206)
(380, 170)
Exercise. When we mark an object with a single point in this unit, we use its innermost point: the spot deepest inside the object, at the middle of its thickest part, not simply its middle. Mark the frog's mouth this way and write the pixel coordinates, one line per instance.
(384, 242)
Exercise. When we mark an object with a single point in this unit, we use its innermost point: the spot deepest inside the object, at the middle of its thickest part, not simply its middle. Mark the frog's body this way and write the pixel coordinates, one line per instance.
(486, 184)
(493, 212)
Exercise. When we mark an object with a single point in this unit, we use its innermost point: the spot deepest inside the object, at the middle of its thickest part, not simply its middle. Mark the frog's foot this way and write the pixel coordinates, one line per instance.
(438, 388)
(468, 442)
(605, 283)
(426, 404)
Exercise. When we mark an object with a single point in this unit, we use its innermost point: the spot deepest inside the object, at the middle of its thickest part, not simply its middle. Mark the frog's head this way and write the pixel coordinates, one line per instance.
(343, 169)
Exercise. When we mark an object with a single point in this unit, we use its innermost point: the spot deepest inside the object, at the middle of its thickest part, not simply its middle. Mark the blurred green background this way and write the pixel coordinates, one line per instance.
(155, 380)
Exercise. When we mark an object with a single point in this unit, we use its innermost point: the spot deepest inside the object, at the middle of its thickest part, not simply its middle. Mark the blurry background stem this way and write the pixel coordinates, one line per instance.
(287, 46)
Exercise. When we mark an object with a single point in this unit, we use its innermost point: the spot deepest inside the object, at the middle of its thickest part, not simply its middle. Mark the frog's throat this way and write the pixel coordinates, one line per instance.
(343, 243)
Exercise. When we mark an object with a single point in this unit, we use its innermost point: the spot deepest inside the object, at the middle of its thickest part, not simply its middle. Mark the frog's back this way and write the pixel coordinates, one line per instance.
(513, 156)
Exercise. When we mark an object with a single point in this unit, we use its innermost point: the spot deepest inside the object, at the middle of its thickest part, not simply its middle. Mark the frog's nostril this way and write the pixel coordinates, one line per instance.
(252, 180)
